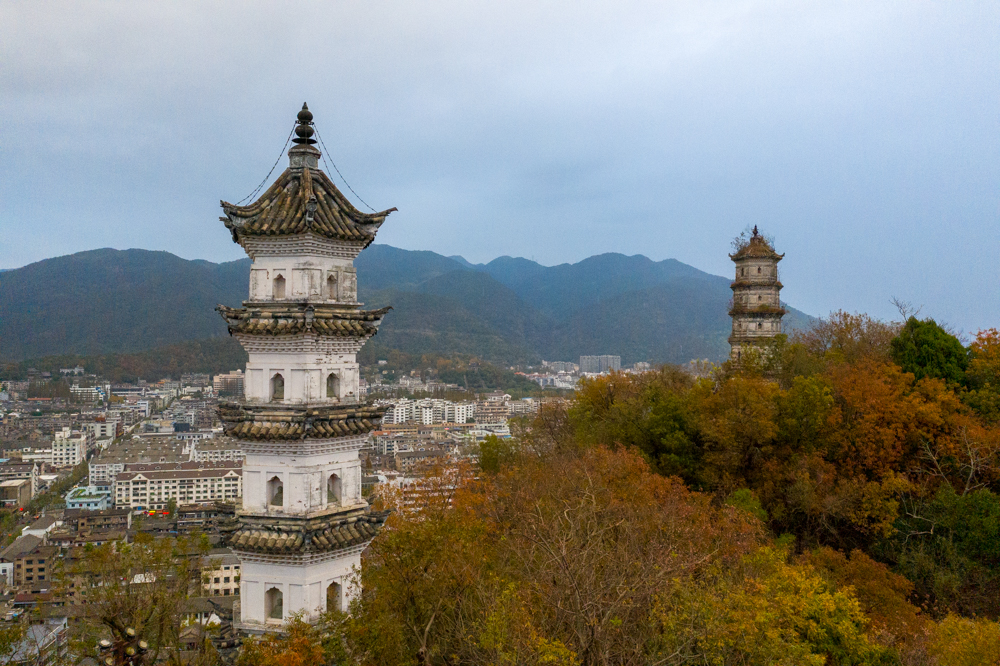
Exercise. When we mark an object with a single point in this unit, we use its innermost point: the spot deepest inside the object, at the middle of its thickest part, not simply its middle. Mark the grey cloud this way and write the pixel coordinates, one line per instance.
(863, 135)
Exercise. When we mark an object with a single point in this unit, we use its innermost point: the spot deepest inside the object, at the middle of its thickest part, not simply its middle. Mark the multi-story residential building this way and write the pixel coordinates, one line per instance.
(218, 448)
(22, 544)
(429, 411)
(459, 412)
(107, 428)
(148, 487)
(492, 411)
(15, 493)
(33, 569)
(229, 385)
(605, 363)
(221, 574)
(523, 407)
(562, 366)
(13, 469)
(85, 393)
(70, 447)
(411, 460)
(147, 449)
(40, 456)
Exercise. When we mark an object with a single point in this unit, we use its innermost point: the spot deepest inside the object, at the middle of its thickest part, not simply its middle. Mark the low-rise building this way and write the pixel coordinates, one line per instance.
(221, 574)
(79, 519)
(15, 493)
(44, 644)
(151, 487)
(411, 460)
(41, 527)
(33, 569)
(88, 498)
(21, 545)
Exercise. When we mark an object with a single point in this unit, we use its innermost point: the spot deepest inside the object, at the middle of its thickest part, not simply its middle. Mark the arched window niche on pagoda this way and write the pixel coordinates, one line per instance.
(273, 605)
(279, 287)
(333, 386)
(334, 489)
(331, 287)
(277, 387)
(333, 597)
(275, 492)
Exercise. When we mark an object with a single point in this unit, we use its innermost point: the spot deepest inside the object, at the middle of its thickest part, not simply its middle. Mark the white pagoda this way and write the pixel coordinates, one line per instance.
(304, 523)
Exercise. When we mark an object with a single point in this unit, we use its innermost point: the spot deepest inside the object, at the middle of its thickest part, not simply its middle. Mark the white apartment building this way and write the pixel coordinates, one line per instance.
(151, 486)
(220, 448)
(70, 447)
(107, 429)
(429, 411)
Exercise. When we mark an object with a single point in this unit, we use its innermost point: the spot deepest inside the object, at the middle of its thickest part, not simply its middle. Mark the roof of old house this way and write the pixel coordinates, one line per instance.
(756, 247)
(303, 200)
(23, 544)
(43, 523)
(292, 319)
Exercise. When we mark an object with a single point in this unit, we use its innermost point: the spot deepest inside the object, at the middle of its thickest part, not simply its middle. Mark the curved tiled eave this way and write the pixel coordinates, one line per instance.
(293, 320)
(303, 200)
(338, 536)
(277, 423)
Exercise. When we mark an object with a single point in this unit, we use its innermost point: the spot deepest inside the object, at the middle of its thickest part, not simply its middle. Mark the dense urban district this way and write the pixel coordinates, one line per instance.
(825, 495)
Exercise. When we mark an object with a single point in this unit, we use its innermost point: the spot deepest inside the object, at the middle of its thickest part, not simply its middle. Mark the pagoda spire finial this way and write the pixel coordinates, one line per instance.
(304, 129)
(754, 226)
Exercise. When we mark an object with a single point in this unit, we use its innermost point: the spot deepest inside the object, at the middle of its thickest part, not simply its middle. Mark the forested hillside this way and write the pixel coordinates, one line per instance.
(509, 311)
(834, 501)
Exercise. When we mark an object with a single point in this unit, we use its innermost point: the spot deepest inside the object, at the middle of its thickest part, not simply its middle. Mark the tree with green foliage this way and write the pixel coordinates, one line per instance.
(927, 350)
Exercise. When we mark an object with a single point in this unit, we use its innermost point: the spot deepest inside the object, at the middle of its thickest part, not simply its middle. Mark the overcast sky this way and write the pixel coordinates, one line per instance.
(864, 136)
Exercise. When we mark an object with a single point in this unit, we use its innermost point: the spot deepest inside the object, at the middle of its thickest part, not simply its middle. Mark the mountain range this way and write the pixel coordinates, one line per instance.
(508, 311)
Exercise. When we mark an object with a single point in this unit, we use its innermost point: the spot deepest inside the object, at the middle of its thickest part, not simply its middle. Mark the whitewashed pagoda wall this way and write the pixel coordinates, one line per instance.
(303, 586)
(304, 481)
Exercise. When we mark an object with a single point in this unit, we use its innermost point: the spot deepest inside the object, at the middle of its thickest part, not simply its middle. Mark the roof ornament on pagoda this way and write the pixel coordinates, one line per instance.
(303, 200)
(756, 246)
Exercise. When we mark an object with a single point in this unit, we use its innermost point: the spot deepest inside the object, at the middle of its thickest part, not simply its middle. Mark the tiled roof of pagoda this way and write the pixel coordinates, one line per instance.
(756, 247)
(303, 200)
(353, 531)
(293, 319)
(289, 422)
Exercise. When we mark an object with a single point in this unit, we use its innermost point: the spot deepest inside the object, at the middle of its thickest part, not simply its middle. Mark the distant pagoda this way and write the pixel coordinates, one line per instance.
(303, 524)
(756, 308)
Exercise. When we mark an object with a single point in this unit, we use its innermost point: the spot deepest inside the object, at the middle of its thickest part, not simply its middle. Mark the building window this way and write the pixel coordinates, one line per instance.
(332, 386)
(277, 387)
(279, 288)
(333, 489)
(272, 604)
(331, 287)
(275, 492)
(333, 597)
